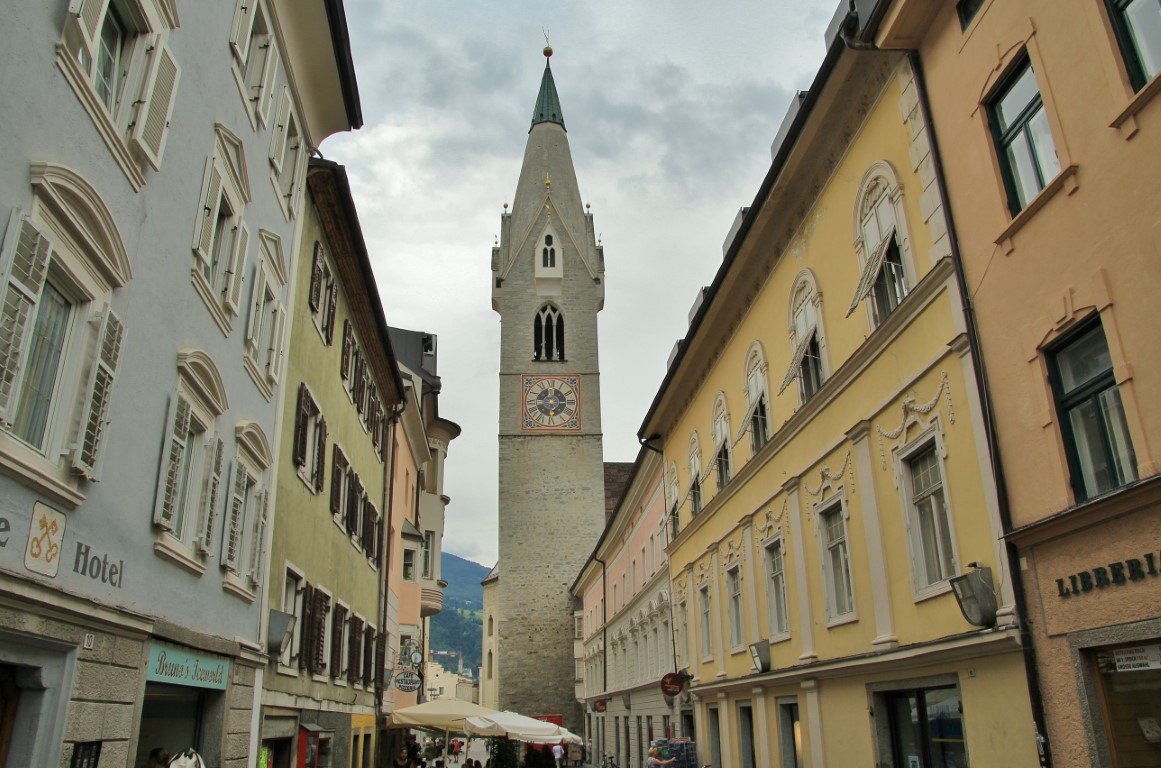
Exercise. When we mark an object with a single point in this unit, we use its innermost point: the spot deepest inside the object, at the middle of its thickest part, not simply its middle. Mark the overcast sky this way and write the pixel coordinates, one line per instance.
(670, 106)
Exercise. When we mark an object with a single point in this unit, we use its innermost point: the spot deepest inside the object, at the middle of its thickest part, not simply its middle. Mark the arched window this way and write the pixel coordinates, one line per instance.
(548, 253)
(757, 401)
(881, 243)
(694, 475)
(489, 665)
(490, 626)
(548, 334)
(807, 363)
(722, 441)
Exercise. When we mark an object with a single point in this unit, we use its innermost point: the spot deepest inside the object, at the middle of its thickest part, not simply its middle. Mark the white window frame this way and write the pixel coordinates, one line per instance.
(255, 58)
(266, 328)
(292, 603)
(723, 455)
(836, 505)
(246, 517)
(413, 552)
(777, 607)
(805, 325)
(734, 611)
(288, 155)
(879, 213)
(221, 241)
(135, 126)
(757, 399)
(200, 398)
(312, 471)
(931, 439)
(696, 501)
(705, 623)
(68, 239)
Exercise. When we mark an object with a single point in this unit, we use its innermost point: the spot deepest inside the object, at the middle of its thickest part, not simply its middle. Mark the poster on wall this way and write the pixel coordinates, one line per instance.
(1139, 658)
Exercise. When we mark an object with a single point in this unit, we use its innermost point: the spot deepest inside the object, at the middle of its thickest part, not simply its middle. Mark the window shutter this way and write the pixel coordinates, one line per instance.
(316, 278)
(266, 89)
(87, 15)
(360, 383)
(158, 94)
(274, 353)
(348, 343)
(338, 620)
(232, 538)
(367, 533)
(207, 217)
(214, 452)
(87, 455)
(257, 303)
(322, 608)
(871, 270)
(26, 256)
(278, 135)
(177, 428)
(368, 655)
(232, 291)
(301, 418)
(380, 658)
(355, 650)
(258, 548)
(306, 633)
(332, 303)
(354, 498)
(240, 31)
(338, 473)
(320, 454)
(379, 539)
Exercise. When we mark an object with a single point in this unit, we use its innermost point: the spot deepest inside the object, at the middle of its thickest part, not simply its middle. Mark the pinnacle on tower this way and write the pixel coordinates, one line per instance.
(547, 109)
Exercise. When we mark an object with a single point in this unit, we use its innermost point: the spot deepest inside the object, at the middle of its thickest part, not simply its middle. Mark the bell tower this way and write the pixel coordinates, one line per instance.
(548, 278)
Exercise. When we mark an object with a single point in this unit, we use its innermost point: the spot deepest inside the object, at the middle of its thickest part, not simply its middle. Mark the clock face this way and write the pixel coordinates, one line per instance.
(551, 403)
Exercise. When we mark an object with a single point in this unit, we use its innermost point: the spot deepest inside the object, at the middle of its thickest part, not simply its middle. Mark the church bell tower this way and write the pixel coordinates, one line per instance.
(548, 284)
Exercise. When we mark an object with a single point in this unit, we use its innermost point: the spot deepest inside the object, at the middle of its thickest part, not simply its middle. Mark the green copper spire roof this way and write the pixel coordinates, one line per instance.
(547, 109)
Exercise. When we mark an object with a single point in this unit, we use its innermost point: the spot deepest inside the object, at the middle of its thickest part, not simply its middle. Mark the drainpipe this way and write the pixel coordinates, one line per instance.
(1030, 667)
(385, 557)
(604, 625)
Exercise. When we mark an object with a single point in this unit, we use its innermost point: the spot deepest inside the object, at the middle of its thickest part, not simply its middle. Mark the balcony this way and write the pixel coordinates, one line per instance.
(431, 597)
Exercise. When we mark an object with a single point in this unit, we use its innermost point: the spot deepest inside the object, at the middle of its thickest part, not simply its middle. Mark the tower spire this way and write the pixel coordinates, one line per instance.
(547, 109)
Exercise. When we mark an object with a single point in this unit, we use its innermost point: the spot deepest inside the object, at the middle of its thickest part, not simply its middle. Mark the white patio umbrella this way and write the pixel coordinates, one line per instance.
(514, 726)
(564, 736)
(447, 715)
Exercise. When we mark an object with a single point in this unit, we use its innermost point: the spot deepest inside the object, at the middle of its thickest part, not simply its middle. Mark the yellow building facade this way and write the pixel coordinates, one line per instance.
(825, 464)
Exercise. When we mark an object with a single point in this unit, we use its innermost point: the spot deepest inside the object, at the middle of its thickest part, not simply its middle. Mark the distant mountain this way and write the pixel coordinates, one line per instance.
(458, 628)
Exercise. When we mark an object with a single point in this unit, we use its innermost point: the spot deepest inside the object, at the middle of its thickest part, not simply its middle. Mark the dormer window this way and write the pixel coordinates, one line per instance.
(548, 253)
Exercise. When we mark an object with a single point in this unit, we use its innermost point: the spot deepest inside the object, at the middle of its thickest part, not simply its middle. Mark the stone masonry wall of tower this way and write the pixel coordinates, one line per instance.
(551, 480)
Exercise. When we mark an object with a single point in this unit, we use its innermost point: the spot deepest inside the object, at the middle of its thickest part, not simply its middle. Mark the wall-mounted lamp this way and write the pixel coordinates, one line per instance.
(279, 631)
(976, 598)
(760, 655)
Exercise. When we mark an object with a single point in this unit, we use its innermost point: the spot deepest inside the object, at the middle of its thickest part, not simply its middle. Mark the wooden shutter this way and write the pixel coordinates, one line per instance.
(207, 216)
(354, 502)
(338, 621)
(306, 633)
(320, 453)
(87, 16)
(355, 651)
(332, 303)
(158, 94)
(368, 655)
(322, 608)
(278, 333)
(348, 346)
(257, 303)
(316, 278)
(360, 383)
(177, 429)
(378, 539)
(232, 290)
(338, 475)
(380, 658)
(278, 134)
(213, 481)
(266, 88)
(26, 256)
(258, 550)
(367, 533)
(87, 455)
(301, 421)
(240, 30)
(232, 536)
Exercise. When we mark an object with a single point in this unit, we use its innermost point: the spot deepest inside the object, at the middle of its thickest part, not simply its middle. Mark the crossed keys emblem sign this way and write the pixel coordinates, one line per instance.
(44, 540)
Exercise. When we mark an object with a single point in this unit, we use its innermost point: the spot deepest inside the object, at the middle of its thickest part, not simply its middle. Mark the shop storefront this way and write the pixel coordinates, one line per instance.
(184, 701)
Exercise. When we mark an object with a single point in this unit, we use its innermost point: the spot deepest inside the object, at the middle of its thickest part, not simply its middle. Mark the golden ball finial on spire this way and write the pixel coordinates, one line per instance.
(548, 51)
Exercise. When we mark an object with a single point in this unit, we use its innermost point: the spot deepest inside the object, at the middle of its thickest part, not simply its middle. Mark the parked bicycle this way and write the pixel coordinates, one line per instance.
(609, 762)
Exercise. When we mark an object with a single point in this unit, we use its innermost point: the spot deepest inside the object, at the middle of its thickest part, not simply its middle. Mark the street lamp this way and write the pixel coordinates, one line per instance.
(976, 598)
(760, 655)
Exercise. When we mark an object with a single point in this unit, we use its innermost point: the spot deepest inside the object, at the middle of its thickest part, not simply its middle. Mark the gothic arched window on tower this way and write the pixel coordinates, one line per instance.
(548, 334)
(548, 253)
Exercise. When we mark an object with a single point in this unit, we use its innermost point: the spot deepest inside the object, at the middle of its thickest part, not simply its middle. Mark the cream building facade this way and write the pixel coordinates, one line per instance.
(825, 460)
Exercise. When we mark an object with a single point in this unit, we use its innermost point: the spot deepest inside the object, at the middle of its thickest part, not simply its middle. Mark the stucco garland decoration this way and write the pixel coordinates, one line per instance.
(910, 408)
(702, 575)
(772, 521)
(731, 552)
(827, 478)
(679, 586)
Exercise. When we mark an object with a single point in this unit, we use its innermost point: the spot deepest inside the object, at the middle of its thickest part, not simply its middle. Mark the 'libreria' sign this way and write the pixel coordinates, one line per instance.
(1111, 575)
(182, 667)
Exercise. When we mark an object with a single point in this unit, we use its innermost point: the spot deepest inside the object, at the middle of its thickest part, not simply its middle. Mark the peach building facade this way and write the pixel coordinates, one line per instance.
(1046, 128)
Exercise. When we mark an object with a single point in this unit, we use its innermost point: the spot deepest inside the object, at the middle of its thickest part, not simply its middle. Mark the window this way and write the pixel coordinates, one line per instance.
(292, 593)
(734, 587)
(694, 476)
(548, 334)
(1092, 420)
(244, 548)
(578, 628)
(340, 643)
(354, 649)
(929, 524)
(491, 626)
(1023, 137)
(703, 603)
(192, 464)
(967, 10)
(883, 278)
(60, 340)
(756, 402)
(266, 330)
(124, 75)
(221, 238)
(323, 300)
(287, 155)
(776, 589)
(722, 443)
(926, 727)
(489, 665)
(806, 360)
(86, 754)
(548, 253)
(409, 565)
(314, 639)
(428, 553)
(310, 440)
(1138, 27)
(836, 563)
(255, 55)
(579, 664)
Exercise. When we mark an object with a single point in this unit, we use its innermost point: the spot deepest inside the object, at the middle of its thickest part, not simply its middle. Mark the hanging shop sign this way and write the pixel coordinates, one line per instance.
(1137, 659)
(408, 682)
(599, 705)
(181, 667)
(672, 683)
(1111, 575)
